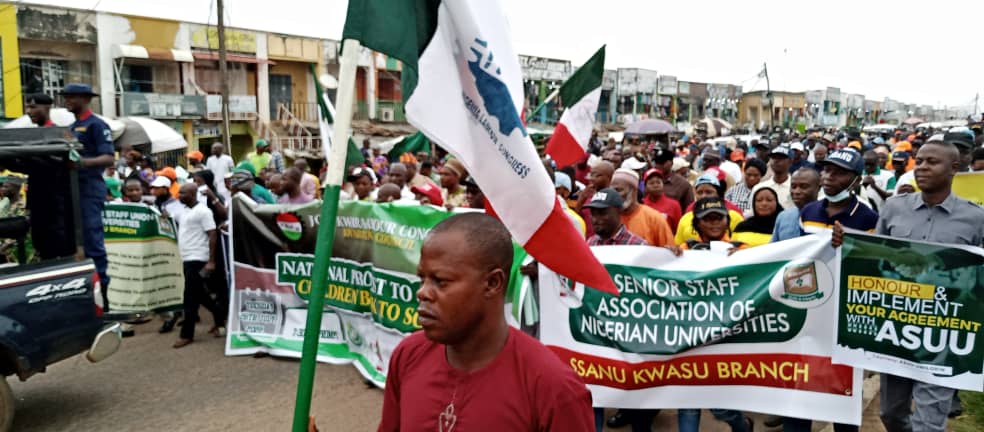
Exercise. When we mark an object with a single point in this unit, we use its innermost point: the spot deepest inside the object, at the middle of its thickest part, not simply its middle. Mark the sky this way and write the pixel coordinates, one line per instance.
(911, 51)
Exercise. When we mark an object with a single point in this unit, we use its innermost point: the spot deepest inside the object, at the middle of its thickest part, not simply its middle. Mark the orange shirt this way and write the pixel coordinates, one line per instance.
(649, 224)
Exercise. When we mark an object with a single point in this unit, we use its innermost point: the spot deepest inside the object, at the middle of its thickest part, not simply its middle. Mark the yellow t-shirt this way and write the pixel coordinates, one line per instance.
(685, 229)
(752, 238)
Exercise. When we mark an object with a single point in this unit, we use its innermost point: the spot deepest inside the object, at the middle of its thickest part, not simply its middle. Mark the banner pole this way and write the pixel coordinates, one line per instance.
(326, 232)
(548, 99)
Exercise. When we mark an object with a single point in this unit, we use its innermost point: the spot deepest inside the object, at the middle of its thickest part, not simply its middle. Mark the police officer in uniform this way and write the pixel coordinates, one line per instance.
(96, 155)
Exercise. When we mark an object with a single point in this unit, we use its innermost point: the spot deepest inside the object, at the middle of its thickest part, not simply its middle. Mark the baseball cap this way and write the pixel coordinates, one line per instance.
(160, 181)
(679, 163)
(900, 156)
(359, 172)
(562, 180)
(197, 155)
(431, 192)
(962, 140)
(605, 198)
(847, 159)
(662, 155)
(828, 137)
(706, 206)
(262, 143)
(781, 150)
(652, 172)
(633, 164)
(711, 152)
(167, 172)
(796, 145)
(708, 178)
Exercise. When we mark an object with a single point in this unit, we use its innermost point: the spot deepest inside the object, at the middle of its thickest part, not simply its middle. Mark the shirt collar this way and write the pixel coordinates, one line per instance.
(85, 115)
(852, 206)
(877, 171)
(947, 205)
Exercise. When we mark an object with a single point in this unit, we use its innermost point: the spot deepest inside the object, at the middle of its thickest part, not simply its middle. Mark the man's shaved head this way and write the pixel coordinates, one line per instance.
(490, 241)
(810, 175)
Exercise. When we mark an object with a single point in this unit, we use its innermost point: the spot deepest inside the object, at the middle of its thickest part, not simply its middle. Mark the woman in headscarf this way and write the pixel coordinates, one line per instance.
(757, 230)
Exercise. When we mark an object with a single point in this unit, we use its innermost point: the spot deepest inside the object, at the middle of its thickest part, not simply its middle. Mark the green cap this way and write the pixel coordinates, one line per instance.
(113, 185)
(246, 166)
(262, 143)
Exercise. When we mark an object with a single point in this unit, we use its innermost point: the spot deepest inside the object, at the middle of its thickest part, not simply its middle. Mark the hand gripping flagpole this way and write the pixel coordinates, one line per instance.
(326, 231)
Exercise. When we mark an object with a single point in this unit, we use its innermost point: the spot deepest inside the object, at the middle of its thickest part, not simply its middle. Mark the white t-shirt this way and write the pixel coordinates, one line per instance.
(193, 226)
(732, 169)
(220, 166)
(881, 180)
(908, 178)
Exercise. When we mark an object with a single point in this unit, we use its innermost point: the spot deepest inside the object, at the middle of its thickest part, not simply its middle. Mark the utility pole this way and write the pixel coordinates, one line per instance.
(768, 92)
(223, 76)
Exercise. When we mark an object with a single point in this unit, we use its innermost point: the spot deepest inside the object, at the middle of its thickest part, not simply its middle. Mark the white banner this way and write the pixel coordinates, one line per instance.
(751, 331)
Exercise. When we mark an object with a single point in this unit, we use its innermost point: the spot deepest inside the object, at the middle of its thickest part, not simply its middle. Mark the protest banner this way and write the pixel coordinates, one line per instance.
(144, 261)
(912, 309)
(751, 331)
(371, 299)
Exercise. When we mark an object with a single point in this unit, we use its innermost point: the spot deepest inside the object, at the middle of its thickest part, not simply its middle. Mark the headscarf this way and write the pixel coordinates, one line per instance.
(762, 224)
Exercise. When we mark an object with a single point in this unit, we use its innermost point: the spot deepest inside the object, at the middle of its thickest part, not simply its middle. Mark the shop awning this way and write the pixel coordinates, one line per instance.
(140, 52)
(238, 58)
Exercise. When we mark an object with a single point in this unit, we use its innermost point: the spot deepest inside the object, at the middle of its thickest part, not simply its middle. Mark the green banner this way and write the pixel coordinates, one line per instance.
(371, 296)
(144, 261)
(912, 309)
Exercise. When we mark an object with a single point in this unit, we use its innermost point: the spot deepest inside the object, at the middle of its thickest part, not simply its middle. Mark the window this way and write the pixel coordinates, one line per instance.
(138, 79)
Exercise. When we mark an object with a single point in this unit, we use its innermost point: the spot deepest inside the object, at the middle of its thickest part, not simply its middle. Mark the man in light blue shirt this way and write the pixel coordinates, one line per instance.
(804, 188)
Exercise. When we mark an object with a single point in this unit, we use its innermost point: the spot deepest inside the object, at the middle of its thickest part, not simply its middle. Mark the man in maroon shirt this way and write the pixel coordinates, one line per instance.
(675, 186)
(468, 370)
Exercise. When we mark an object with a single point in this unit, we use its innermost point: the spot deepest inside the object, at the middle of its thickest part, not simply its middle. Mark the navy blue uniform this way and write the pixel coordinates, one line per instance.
(855, 216)
(96, 139)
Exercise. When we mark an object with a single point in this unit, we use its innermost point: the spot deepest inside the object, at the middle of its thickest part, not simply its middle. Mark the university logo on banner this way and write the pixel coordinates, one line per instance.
(749, 331)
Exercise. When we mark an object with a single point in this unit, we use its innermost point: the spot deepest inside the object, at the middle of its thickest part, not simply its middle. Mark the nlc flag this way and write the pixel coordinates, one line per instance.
(580, 94)
(463, 88)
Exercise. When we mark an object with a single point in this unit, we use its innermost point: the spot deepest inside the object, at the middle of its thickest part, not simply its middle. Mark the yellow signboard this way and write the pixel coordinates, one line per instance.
(236, 40)
(970, 186)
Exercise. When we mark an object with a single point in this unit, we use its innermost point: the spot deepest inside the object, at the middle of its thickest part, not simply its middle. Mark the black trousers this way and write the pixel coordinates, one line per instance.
(196, 295)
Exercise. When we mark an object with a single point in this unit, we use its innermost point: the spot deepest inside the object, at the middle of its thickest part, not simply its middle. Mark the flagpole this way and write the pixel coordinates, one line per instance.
(544, 103)
(326, 232)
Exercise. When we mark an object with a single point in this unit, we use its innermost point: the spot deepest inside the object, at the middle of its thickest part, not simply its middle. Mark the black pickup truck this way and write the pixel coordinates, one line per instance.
(49, 310)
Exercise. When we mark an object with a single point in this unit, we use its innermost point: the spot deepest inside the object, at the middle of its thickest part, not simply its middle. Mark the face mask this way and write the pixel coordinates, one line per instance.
(842, 195)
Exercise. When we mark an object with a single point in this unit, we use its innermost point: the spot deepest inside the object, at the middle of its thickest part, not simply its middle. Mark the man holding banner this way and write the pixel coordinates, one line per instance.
(934, 215)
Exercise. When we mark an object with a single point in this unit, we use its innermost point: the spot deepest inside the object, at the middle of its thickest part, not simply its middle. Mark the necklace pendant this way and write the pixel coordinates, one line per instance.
(447, 419)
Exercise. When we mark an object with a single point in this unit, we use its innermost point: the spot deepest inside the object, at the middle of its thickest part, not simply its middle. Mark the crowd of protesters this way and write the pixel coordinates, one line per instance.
(680, 195)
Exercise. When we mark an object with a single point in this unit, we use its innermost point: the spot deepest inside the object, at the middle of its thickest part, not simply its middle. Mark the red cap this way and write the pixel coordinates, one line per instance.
(652, 172)
(431, 192)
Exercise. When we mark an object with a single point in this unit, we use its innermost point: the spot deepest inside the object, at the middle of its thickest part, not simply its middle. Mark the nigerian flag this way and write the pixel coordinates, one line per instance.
(463, 89)
(580, 94)
(412, 144)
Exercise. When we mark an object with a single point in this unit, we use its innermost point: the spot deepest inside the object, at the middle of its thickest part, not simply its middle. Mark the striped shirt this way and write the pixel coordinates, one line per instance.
(741, 196)
(621, 237)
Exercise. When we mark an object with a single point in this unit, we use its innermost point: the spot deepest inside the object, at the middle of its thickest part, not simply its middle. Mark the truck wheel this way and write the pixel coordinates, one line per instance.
(6, 406)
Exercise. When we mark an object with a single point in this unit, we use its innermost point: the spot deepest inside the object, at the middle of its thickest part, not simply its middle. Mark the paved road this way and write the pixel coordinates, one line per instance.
(149, 386)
